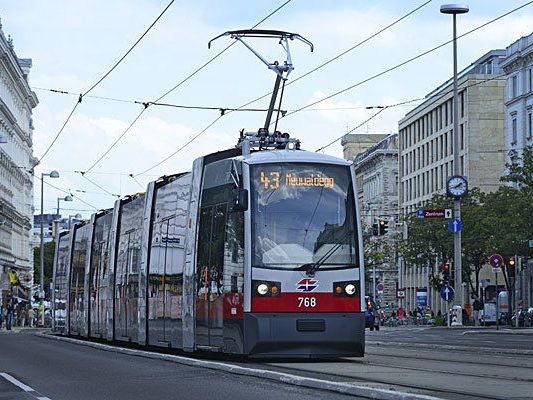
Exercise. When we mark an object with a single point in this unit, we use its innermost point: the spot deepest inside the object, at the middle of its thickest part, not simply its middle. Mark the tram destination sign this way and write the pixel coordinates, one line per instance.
(440, 213)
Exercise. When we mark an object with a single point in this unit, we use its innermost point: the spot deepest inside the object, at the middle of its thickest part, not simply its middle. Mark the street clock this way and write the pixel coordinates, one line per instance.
(457, 186)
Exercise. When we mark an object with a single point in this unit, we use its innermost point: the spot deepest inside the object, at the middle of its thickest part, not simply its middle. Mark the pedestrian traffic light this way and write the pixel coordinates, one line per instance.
(512, 262)
(375, 229)
(383, 227)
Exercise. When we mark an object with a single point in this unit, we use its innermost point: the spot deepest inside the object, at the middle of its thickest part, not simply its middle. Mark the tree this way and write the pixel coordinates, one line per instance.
(49, 250)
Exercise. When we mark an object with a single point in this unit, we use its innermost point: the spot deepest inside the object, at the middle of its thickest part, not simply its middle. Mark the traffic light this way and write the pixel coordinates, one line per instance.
(383, 227)
(523, 264)
(375, 229)
(446, 270)
(51, 229)
(511, 270)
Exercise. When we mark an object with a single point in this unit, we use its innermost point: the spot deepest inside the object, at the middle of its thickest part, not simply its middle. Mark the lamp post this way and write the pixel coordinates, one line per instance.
(77, 216)
(53, 174)
(66, 198)
(455, 9)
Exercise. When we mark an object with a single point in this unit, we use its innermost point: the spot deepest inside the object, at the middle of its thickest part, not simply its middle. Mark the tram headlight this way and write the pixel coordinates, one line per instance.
(346, 288)
(262, 289)
(349, 289)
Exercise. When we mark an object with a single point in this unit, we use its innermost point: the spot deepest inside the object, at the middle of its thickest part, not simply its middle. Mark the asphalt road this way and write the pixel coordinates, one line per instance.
(461, 337)
(64, 371)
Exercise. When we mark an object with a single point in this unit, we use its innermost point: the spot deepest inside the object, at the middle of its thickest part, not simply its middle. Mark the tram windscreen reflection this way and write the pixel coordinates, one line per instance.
(302, 213)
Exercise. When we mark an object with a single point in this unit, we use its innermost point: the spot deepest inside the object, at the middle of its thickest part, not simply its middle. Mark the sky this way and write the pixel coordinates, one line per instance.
(72, 43)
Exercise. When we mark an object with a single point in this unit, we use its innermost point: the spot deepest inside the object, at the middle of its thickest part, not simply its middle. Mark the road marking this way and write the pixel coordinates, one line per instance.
(22, 386)
(16, 382)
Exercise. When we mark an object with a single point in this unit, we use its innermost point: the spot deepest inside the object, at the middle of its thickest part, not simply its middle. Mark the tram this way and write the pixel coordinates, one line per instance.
(255, 251)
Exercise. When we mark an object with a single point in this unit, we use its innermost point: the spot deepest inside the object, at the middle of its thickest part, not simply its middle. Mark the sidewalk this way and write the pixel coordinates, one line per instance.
(18, 329)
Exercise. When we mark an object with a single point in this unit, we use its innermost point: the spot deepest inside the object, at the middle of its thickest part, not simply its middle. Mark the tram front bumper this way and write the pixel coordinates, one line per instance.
(304, 335)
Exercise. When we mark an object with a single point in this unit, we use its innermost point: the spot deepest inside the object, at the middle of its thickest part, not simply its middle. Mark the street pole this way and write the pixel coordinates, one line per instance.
(52, 174)
(497, 302)
(455, 9)
(457, 171)
(41, 294)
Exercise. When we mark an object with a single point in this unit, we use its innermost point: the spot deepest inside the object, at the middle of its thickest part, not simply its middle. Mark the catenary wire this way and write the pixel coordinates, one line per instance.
(306, 74)
(406, 61)
(427, 98)
(98, 186)
(343, 53)
(64, 191)
(97, 83)
(178, 85)
(130, 49)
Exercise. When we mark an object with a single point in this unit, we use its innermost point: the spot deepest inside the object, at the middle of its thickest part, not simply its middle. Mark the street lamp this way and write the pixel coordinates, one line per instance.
(52, 174)
(77, 216)
(66, 198)
(455, 9)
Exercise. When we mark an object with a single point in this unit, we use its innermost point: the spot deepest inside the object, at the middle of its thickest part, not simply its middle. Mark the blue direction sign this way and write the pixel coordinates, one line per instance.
(455, 225)
(421, 214)
(447, 293)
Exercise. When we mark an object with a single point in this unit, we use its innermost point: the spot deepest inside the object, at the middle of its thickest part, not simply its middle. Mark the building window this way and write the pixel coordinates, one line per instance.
(514, 86)
(514, 131)
(530, 80)
(529, 124)
(462, 104)
(462, 138)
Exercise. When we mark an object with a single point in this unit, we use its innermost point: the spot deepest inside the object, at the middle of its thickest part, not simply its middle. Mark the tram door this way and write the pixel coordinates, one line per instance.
(209, 275)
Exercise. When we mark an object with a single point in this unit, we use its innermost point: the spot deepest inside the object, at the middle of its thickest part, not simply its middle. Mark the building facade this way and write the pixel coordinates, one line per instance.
(17, 101)
(376, 170)
(426, 156)
(518, 66)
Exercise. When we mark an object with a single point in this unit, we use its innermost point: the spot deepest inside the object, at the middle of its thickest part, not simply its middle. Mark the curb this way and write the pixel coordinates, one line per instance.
(504, 331)
(312, 383)
(454, 348)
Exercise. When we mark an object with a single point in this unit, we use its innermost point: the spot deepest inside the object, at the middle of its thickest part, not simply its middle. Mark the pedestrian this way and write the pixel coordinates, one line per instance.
(31, 316)
(9, 315)
(22, 316)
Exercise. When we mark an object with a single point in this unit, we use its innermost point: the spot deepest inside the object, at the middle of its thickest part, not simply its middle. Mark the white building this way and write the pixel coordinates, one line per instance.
(518, 65)
(17, 101)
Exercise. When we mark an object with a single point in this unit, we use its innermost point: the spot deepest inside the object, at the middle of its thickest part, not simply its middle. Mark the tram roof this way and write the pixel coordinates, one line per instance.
(272, 156)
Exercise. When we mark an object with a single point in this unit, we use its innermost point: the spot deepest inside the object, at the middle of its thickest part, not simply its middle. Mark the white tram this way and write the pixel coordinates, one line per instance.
(256, 251)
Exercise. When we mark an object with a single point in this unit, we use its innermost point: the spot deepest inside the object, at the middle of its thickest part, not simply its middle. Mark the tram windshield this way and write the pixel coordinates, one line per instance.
(302, 213)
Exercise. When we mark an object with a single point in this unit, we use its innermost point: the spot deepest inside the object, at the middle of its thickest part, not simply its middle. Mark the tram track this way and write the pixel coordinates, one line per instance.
(426, 388)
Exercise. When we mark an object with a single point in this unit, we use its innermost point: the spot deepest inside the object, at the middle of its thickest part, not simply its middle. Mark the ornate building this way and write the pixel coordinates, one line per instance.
(518, 65)
(17, 101)
(376, 174)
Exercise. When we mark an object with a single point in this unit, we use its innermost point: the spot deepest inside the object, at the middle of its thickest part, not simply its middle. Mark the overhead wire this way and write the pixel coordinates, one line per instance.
(425, 99)
(288, 83)
(343, 53)
(177, 86)
(80, 98)
(409, 60)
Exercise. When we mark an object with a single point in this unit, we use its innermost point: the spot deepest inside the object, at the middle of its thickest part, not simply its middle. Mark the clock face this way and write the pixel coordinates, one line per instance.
(457, 186)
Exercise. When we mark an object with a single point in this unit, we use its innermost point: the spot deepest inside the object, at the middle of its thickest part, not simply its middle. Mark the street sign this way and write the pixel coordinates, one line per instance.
(531, 243)
(421, 297)
(496, 260)
(496, 269)
(380, 287)
(455, 225)
(435, 214)
(400, 293)
(447, 293)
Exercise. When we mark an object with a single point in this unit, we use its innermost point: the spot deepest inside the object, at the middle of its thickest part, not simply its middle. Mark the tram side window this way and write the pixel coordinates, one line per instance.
(234, 253)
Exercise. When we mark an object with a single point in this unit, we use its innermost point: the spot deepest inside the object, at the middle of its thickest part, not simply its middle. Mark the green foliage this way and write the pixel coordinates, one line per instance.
(49, 249)
(498, 222)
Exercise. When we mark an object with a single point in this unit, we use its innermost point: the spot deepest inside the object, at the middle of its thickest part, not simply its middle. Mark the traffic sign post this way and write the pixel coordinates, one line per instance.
(455, 225)
(447, 293)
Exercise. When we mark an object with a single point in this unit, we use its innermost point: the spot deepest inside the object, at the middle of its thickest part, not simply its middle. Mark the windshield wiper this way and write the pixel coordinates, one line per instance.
(311, 268)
